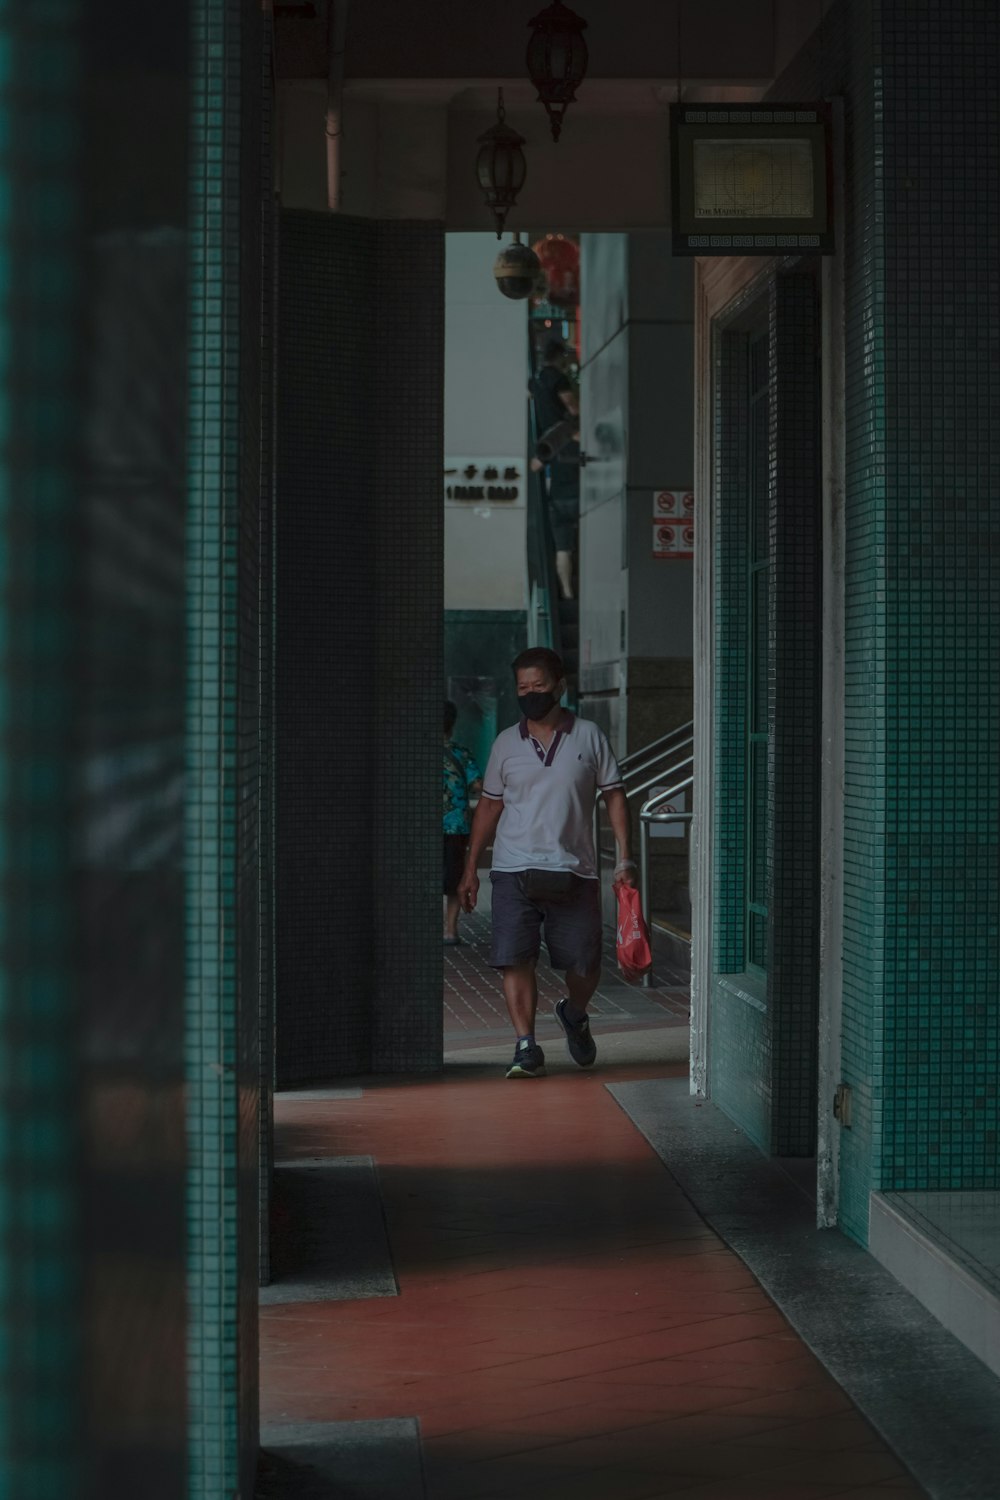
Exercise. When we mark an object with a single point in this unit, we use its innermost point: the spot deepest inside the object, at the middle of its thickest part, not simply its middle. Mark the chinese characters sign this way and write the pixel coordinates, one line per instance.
(673, 523)
(484, 481)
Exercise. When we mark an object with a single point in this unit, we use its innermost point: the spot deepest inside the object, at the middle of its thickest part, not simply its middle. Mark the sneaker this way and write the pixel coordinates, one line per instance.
(529, 1062)
(582, 1047)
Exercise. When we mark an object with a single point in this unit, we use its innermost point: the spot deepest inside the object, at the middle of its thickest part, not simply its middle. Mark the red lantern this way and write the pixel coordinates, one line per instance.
(560, 261)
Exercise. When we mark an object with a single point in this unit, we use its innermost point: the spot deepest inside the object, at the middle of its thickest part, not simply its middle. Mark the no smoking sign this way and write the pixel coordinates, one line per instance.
(673, 523)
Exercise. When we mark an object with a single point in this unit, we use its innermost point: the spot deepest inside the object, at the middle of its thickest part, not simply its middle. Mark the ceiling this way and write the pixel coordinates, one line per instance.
(471, 43)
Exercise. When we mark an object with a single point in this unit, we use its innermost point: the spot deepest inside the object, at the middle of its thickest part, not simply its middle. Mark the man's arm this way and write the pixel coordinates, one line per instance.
(620, 819)
(484, 825)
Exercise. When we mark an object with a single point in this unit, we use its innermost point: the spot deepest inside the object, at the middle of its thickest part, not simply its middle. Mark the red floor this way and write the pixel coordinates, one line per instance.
(567, 1326)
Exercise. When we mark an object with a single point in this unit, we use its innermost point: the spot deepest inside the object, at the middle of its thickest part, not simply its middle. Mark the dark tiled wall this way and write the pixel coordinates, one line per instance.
(225, 854)
(732, 450)
(129, 749)
(763, 1055)
(794, 708)
(359, 645)
(130, 778)
(940, 189)
(921, 1028)
(41, 1280)
(266, 724)
(740, 1059)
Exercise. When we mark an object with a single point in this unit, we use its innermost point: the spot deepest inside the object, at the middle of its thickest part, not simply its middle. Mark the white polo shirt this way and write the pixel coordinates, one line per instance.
(548, 796)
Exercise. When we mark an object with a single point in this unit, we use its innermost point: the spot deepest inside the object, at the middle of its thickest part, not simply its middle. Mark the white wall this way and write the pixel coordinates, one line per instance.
(485, 416)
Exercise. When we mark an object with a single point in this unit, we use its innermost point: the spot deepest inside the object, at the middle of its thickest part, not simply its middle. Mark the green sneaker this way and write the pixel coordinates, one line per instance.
(529, 1062)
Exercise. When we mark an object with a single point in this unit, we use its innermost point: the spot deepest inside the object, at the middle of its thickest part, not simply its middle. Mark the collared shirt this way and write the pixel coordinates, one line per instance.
(460, 773)
(548, 796)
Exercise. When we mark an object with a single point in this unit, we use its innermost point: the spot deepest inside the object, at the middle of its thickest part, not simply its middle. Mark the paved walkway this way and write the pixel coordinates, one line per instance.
(474, 1011)
(567, 1326)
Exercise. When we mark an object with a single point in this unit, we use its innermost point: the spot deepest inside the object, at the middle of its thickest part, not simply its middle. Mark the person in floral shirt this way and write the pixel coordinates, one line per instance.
(462, 779)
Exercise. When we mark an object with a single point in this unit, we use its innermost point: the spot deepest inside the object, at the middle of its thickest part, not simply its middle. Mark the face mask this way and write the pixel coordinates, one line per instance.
(535, 706)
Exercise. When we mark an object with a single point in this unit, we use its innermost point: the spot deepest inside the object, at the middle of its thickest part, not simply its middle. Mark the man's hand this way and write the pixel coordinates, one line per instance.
(468, 890)
(626, 873)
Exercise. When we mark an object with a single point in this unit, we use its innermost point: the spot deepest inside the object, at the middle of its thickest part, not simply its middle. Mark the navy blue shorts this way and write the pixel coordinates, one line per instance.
(573, 925)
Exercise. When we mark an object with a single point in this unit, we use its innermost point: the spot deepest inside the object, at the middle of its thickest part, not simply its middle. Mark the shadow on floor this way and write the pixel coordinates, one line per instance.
(281, 1479)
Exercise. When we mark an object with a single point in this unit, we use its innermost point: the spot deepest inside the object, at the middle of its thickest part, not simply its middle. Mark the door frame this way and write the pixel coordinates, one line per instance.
(719, 285)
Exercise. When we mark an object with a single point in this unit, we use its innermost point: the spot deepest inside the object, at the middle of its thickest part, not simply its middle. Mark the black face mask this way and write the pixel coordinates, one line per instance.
(535, 706)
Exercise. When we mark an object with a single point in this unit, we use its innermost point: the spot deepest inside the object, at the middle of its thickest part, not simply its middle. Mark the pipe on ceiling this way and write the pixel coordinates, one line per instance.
(336, 46)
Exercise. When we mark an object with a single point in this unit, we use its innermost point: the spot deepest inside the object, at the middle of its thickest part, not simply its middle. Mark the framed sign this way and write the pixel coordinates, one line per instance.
(751, 179)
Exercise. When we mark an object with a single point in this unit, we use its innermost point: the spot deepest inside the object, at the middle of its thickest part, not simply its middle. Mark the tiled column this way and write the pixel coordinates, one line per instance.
(794, 615)
(931, 521)
(40, 322)
(359, 646)
(764, 1016)
(223, 852)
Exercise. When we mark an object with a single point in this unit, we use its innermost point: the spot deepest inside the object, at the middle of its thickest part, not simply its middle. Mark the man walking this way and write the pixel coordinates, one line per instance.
(539, 791)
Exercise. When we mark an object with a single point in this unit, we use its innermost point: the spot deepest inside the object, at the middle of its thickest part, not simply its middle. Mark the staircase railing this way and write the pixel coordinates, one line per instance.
(662, 760)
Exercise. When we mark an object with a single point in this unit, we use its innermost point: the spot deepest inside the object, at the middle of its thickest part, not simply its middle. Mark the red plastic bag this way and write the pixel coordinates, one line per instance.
(635, 952)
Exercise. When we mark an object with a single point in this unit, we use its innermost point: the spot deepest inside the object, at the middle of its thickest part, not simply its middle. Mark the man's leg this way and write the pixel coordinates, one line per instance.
(520, 990)
(574, 933)
(514, 951)
(581, 991)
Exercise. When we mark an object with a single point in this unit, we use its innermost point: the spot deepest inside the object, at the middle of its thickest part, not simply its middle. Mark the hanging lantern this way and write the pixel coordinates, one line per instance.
(517, 270)
(500, 166)
(560, 260)
(557, 59)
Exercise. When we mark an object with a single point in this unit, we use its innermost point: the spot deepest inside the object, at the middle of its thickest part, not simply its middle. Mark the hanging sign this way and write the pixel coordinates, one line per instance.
(673, 523)
(751, 179)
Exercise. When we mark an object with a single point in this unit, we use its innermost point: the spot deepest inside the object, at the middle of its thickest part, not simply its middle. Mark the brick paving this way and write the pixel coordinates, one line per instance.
(567, 1327)
(474, 1009)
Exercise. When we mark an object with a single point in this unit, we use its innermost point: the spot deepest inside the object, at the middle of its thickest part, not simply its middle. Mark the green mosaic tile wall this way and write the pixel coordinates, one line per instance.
(223, 855)
(794, 619)
(865, 767)
(732, 448)
(940, 107)
(40, 325)
(764, 1021)
(266, 729)
(921, 1029)
(740, 1052)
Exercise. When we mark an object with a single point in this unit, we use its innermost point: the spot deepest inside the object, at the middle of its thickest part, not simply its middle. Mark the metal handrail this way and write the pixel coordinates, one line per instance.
(650, 807)
(648, 813)
(682, 729)
(655, 780)
(659, 761)
(664, 754)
